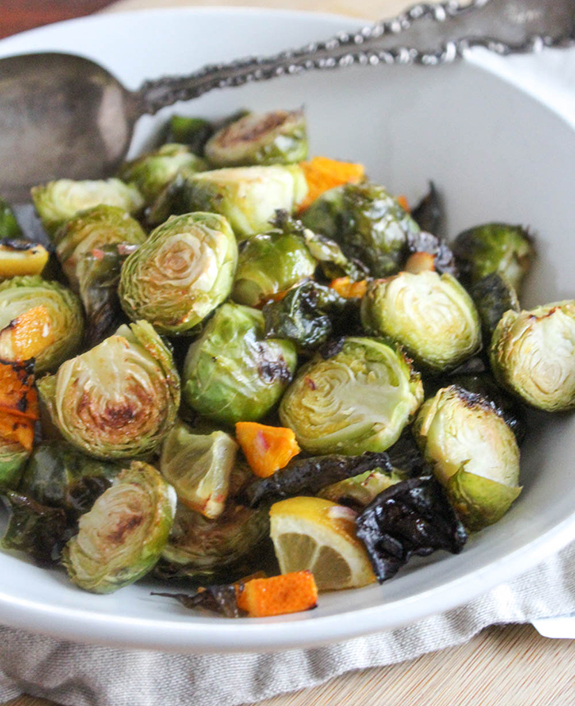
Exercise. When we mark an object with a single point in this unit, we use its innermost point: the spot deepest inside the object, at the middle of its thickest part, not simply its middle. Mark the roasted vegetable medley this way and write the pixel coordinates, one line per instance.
(259, 376)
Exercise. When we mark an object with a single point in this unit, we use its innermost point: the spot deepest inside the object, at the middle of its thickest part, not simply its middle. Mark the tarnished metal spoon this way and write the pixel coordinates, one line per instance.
(66, 116)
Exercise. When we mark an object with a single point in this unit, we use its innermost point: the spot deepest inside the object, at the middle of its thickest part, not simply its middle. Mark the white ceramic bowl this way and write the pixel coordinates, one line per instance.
(498, 138)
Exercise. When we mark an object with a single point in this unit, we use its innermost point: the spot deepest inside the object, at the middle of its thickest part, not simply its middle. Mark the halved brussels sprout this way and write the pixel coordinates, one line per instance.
(495, 247)
(183, 271)
(268, 264)
(278, 137)
(199, 466)
(473, 454)
(533, 355)
(121, 538)
(94, 228)
(63, 312)
(247, 196)
(201, 548)
(493, 296)
(9, 227)
(232, 374)
(193, 132)
(362, 489)
(119, 399)
(21, 257)
(367, 222)
(429, 315)
(58, 201)
(153, 171)
(358, 400)
(98, 274)
(58, 475)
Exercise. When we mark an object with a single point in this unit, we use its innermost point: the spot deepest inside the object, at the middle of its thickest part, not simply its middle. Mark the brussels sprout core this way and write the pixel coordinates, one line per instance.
(473, 453)
(430, 315)
(357, 400)
(181, 273)
(272, 138)
(123, 535)
(533, 355)
(232, 374)
(117, 400)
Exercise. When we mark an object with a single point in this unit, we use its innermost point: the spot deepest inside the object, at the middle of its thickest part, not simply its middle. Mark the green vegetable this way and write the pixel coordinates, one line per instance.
(367, 222)
(357, 400)
(428, 214)
(57, 475)
(533, 355)
(278, 137)
(117, 400)
(13, 457)
(361, 489)
(181, 273)
(247, 196)
(153, 171)
(20, 294)
(58, 201)
(90, 229)
(123, 535)
(268, 264)
(495, 247)
(193, 132)
(231, 373)
(204, 549)
(9, 227)
(199, 467)
(472, 451)
(429, 315)
(493, 296)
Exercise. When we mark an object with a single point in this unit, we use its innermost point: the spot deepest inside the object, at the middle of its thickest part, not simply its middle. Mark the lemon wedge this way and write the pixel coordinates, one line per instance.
(316, 534)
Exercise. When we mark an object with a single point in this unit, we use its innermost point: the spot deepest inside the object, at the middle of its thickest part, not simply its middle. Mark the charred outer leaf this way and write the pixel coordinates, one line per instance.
(215, 599)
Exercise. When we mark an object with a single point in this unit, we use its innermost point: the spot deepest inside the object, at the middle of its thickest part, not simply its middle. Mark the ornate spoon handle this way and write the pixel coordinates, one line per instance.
(427, 34)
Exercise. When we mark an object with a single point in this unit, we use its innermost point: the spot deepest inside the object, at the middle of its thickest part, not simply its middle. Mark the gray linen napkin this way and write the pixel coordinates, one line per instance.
(87, 675)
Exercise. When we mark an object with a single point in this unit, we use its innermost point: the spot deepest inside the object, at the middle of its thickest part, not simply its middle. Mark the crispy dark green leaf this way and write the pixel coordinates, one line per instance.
(309, 475)
(410, 518)
(493, 296)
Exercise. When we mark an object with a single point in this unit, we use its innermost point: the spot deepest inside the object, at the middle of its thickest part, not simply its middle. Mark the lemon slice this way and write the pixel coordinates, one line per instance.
(316, 534)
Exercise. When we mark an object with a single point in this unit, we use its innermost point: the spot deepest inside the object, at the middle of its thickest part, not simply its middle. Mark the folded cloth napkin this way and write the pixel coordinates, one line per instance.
(88, 675)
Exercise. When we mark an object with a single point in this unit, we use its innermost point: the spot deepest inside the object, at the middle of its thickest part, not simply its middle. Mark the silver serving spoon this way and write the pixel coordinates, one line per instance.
(66, 116)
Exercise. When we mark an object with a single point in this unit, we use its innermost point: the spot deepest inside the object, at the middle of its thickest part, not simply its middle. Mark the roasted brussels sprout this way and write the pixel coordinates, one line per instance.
(184, 270)
(199, 467)
(495, 247)
(278, 137)
(153, 171)
(493, 296)
(473, 454)
(58, 475)
(268, 264)
(409, 518)
(60, 333)
(193, 132)
(9, 227)
(367, 222)
(247, 196)
(428, 214)
(37, 530)
(58, 201)
(532, 355)
(119, 399)
(358, 400)
(205, 549)
(430, 315)
(98, 274)
(231, 373)
(90, 229)
(304, 315)
(360, 490)
(21, 257)
(121, 538)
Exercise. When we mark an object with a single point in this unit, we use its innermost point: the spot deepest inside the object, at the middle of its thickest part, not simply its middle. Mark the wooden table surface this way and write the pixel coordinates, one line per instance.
(503, 666)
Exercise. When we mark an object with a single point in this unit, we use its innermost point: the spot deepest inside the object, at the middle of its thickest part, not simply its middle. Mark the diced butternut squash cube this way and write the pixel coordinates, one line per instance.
(17, 429)
(278, 595)
(323, 174)
(267, 449)
(348, 289)
(17, 393)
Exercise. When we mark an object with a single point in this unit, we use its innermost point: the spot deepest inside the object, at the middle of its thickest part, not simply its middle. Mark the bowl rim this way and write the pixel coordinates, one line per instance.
(227, 635)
